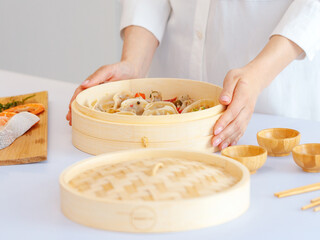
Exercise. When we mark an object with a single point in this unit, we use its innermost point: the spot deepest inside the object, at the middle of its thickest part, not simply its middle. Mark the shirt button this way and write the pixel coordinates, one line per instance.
(199, 34)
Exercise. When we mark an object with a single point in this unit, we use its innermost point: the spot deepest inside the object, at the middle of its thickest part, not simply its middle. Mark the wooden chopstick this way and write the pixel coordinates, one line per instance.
(310, 205)
(315, 199)
(298, 190)
(316, 209)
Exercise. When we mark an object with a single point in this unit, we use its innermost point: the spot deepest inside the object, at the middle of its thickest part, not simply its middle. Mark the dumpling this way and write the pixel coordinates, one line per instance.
(183, 101)
(166, 110)
(160, 104)
(200, 105)
(104, 104)
(155, 96)
(185, 104)
(160, 108)
(135, 105)
(184, 98)
(118, 98)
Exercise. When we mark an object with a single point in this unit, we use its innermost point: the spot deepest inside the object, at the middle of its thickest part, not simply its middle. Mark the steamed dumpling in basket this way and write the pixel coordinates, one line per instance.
(126, 103)
(135, 105)
(118, 98)
(160, 108)
(182, 102)
(104, 104)
(199, 105)
(111, 104)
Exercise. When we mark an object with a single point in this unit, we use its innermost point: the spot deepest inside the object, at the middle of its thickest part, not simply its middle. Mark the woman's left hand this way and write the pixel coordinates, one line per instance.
(241, 88)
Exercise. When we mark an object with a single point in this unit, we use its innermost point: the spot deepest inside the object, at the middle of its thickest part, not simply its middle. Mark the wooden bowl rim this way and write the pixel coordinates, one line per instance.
(295, 151)
(245, 176)
(190, 116)
(239, 146)
(278, 139)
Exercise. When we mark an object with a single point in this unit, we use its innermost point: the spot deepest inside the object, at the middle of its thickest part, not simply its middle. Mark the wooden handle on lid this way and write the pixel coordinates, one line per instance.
(156, 168)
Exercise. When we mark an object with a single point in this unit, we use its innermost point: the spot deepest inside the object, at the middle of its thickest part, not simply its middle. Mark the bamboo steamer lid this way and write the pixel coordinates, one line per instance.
(154, 190)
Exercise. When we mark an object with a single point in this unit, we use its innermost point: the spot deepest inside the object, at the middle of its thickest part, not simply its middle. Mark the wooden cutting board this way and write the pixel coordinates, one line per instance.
(32, 146)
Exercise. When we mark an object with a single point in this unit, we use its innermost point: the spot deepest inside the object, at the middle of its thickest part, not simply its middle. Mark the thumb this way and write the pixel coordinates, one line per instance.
(229, 84)
(102, 75)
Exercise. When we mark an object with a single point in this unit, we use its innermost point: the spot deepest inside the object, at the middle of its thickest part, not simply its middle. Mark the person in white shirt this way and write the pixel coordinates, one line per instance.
(265, 54)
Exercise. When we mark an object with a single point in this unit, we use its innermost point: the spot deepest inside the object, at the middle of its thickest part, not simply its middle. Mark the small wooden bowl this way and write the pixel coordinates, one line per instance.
(307, 156)
(278, 141)
(253, 157)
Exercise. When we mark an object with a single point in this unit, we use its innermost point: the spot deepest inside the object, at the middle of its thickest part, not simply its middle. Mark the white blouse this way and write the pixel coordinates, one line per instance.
(203, 40)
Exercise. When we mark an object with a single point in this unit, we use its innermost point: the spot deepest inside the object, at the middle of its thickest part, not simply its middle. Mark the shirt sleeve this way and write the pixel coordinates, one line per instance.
(301, 24)
(150, 14)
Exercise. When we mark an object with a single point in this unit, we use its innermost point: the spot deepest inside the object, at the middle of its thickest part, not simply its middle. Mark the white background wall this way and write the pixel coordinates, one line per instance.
(60, 39)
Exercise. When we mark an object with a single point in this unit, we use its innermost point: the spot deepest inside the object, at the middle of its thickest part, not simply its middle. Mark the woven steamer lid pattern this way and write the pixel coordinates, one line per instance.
(155, 190)
(153, 180)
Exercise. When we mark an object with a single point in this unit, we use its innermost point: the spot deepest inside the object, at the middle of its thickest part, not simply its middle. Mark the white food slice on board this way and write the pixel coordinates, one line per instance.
(16, 127)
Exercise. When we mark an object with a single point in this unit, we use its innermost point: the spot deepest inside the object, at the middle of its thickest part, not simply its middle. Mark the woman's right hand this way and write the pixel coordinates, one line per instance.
(108, 73)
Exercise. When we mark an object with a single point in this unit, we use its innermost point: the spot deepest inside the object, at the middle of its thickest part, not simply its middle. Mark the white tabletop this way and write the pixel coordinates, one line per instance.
(30, 200)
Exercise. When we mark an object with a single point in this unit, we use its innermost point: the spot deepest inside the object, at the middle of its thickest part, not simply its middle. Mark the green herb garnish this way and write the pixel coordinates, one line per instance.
(199, 109)
(14, 103)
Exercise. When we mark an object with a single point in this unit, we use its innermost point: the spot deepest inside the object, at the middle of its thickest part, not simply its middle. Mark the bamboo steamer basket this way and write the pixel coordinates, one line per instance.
(131, 210)
(97, 132)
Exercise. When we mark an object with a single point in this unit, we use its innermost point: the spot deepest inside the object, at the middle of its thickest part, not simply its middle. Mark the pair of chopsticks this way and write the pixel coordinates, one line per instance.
(314, 202)
(303, 189)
